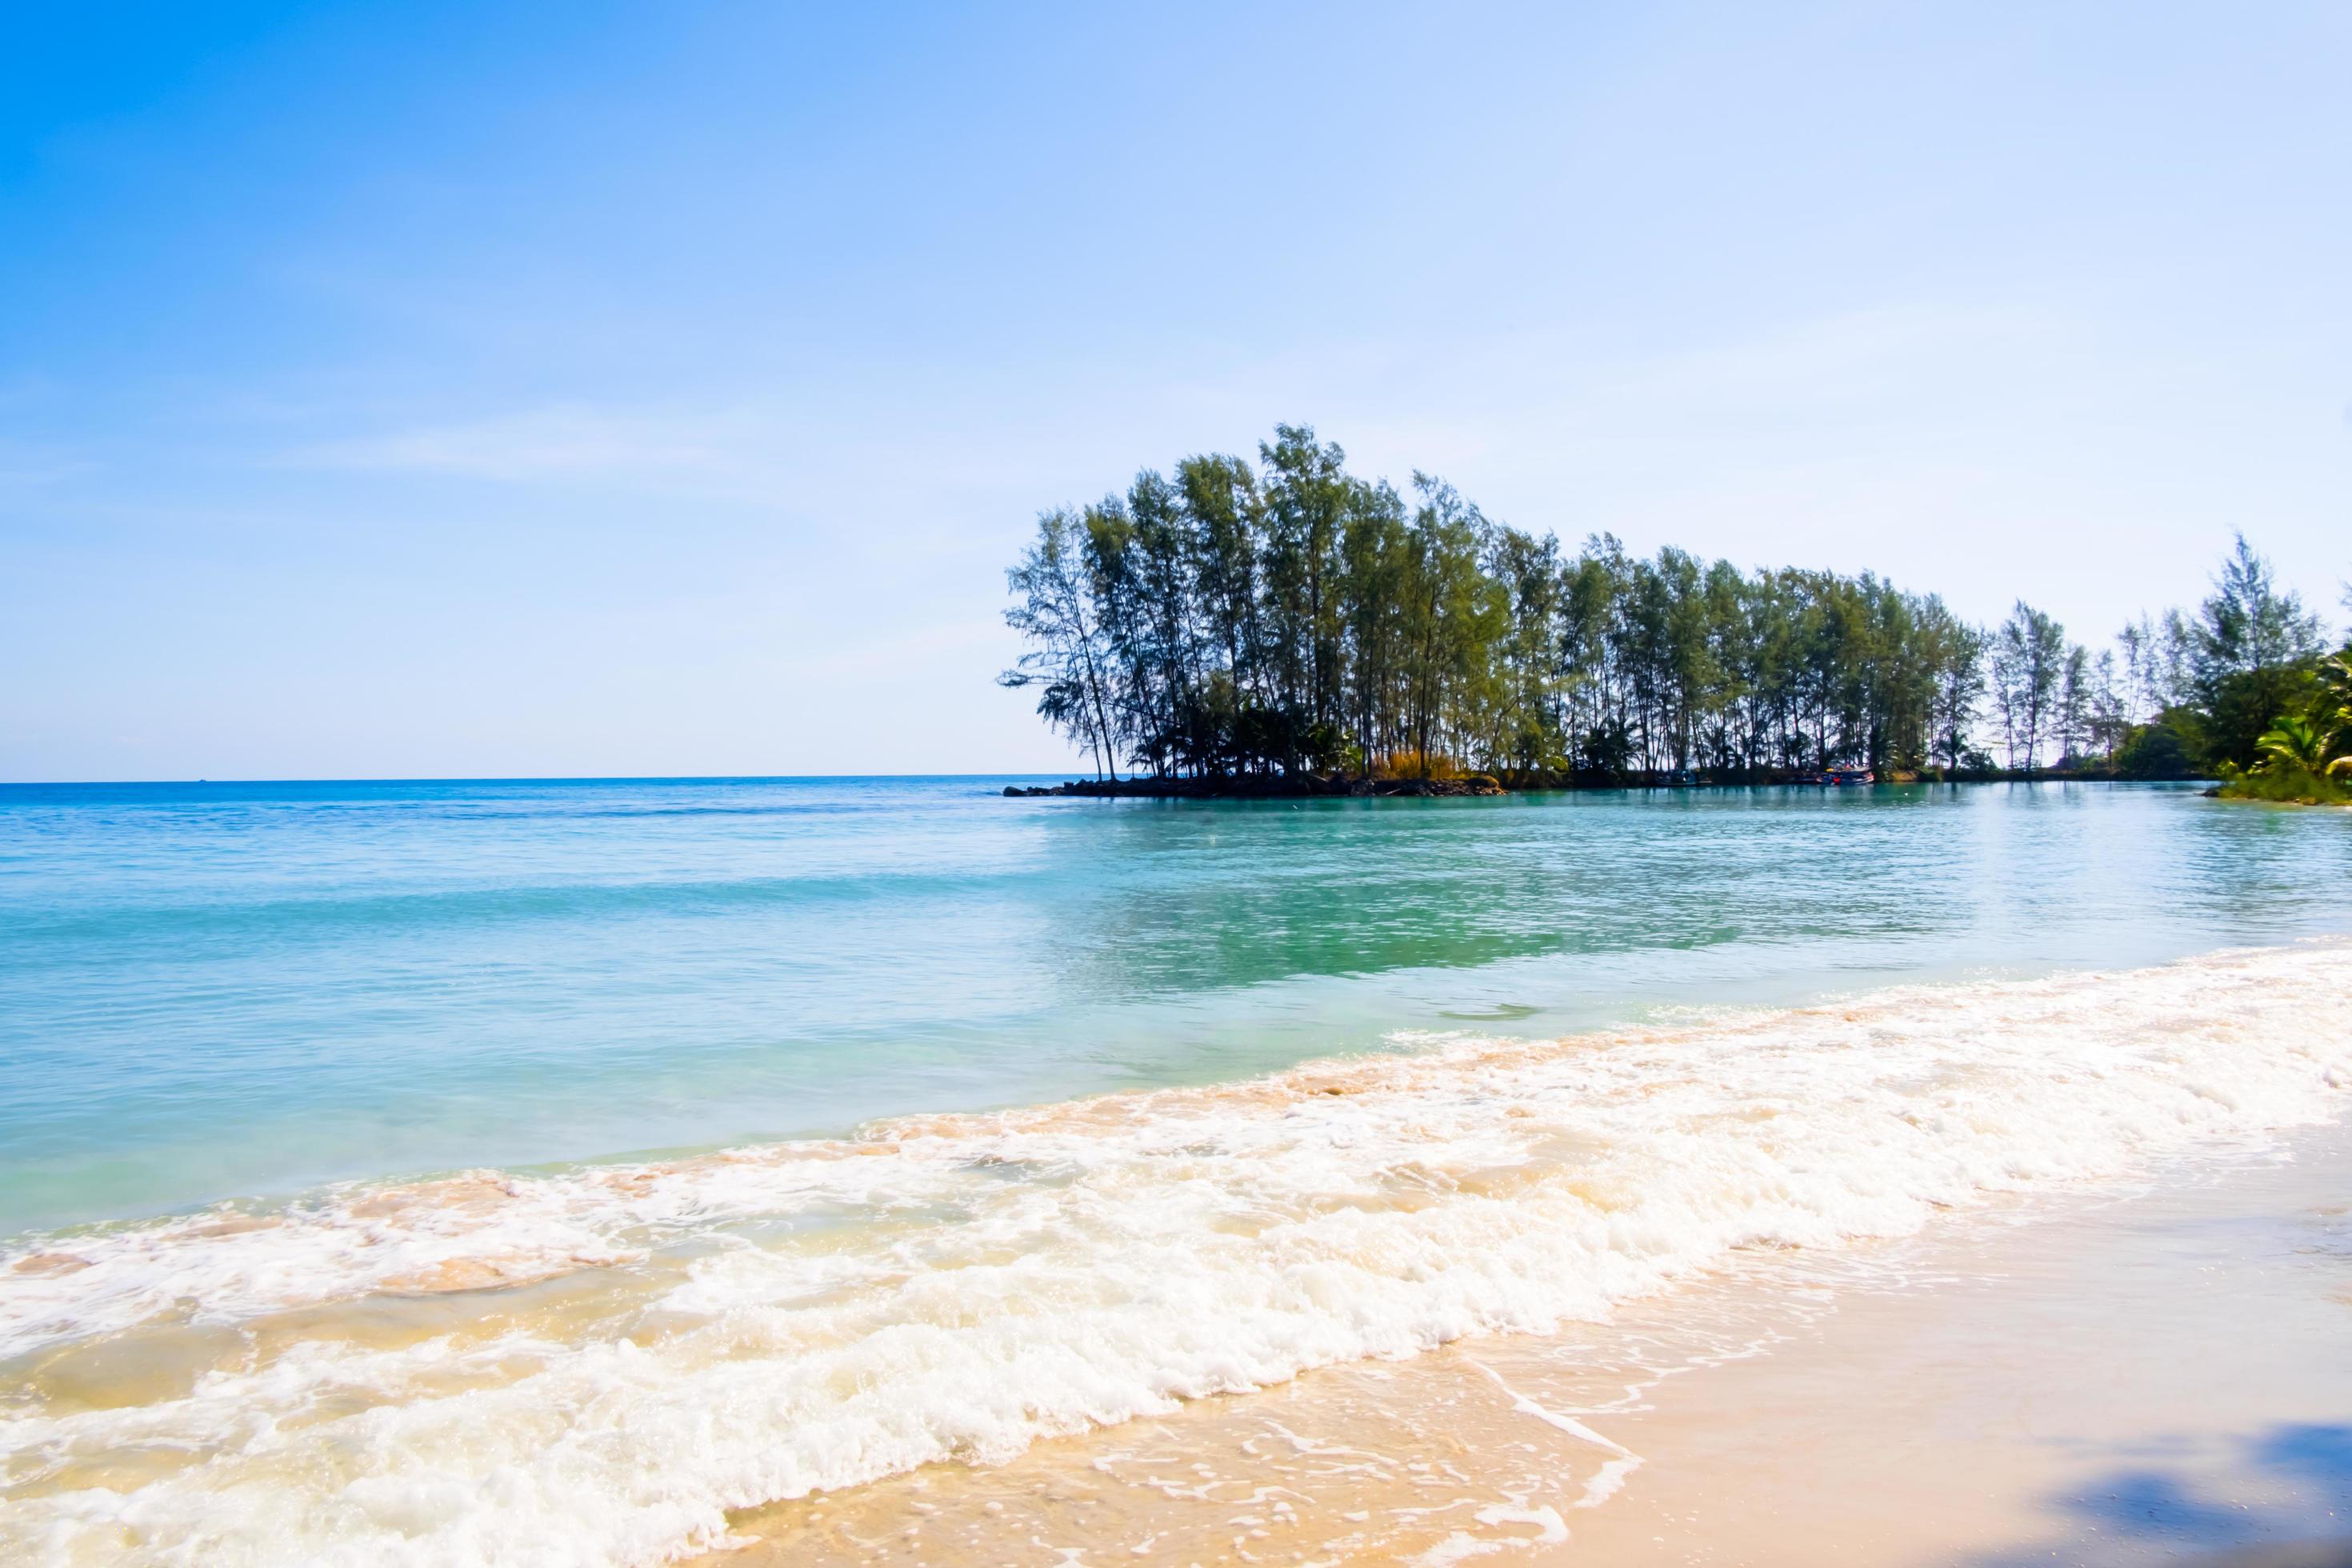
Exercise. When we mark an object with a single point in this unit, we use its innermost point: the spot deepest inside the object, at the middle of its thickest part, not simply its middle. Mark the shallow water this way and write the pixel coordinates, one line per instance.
(1596, 1047)
(211, 991)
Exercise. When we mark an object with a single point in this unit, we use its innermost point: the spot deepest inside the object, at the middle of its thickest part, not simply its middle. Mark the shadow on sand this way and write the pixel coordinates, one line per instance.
(2282, 1499)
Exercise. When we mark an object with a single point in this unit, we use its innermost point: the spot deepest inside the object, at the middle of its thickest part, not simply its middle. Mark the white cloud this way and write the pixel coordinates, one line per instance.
(565, 443)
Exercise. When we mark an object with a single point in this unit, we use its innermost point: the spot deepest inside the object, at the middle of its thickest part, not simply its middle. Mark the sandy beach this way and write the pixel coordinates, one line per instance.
(2152, 1376)
(1960, 1273)
(938, 786)
(2149, 1380)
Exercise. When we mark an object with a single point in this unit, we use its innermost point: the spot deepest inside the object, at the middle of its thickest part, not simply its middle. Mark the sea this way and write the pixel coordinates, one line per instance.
(561, 1171)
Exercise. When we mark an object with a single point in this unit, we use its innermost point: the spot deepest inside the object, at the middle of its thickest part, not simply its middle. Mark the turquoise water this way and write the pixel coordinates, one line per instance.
(211, 990)
(584, 1349)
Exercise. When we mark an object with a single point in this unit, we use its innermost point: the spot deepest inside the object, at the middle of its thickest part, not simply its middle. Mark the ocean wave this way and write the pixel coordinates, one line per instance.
(596, 1366)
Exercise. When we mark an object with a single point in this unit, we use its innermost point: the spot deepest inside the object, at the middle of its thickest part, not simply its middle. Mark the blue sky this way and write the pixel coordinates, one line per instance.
(595, 389)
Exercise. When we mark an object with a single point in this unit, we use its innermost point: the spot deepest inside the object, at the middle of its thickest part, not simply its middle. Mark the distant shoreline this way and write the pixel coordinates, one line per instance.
(1310, 787)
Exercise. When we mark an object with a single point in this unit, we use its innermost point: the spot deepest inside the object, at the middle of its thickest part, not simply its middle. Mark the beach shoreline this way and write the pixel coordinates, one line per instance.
(1341, 786)
(2157, 1378)
(1427, 1306)
(2151, 1374)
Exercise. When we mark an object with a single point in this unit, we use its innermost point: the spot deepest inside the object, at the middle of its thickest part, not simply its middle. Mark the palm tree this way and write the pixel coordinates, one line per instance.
(2335, 675)
(2293, 742)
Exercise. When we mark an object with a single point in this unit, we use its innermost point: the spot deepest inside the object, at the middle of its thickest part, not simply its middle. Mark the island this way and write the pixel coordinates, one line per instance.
(1286, 627)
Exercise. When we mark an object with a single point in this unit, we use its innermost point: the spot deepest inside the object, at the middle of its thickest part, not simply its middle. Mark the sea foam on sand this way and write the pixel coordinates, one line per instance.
(341, 1382)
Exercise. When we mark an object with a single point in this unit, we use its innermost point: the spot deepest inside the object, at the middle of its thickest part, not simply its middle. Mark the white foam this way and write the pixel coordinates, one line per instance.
(979, 1282)
(1606, 1481)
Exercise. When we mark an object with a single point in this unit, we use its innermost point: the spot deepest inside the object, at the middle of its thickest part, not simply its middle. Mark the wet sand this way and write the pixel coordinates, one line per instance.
(2162, 1373)
(1855, 1281)
(2158, 1379)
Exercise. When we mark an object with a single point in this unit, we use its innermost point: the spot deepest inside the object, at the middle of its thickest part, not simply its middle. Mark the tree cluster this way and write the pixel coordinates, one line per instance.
(1285, 616)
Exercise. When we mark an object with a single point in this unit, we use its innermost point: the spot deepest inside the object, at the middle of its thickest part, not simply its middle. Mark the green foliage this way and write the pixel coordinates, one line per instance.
(2293, 744)
(1283, 615)
(2332, 714)
(2171, 747)
(1061, 617)
(2305, 757)
(2029, 662)
(2285, 785)
(2249, 653)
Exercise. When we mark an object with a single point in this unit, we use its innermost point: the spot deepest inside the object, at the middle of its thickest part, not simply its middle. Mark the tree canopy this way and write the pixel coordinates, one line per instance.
(1285, 616)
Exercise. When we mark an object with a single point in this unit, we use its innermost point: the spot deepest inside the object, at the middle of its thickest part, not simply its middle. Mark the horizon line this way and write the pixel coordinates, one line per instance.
(513, 778)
